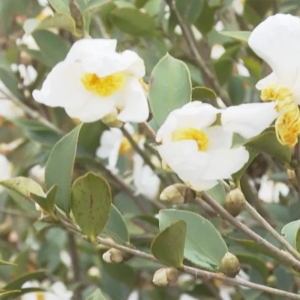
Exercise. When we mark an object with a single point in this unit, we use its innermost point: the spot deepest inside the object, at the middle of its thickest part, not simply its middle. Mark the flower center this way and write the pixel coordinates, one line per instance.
(40, 296)
(192, 134)
(125, 146)
(103, 86)
(287, 125)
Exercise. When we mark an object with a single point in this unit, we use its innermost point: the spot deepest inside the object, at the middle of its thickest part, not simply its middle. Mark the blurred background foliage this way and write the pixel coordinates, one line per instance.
(33, 40)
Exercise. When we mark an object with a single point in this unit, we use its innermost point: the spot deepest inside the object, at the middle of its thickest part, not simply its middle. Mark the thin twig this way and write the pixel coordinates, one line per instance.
(17, 213)
(101, 27)
(252, 211)
(284, 257)
(149, 131)
(206, 275)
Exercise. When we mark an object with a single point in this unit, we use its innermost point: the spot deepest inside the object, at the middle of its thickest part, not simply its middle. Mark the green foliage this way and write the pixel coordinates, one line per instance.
(90, 204)
(170, 87)
(291, 233)
(168, 245)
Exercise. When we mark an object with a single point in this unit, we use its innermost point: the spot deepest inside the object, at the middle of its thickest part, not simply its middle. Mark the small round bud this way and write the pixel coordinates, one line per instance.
(230, 265)
(177, 194)
(113, 256)
(235, 202)
(112, 121)
(165, 276)
(272, 281)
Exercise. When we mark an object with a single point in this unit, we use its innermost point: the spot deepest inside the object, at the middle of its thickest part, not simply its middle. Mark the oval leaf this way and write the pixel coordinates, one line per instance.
(202, 92)
(97, 295)
(91, 201)
(59, 168)
(238, 35)
(218, 193)
(168, 245)
(291, 233)
(170, 87)
(204, 245)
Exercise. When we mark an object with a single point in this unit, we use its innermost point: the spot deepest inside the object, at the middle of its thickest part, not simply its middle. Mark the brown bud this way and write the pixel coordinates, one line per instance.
(177, 194)
(235, 202)
(165, 276)
(112, 121)
(230, 265)
(115, 256)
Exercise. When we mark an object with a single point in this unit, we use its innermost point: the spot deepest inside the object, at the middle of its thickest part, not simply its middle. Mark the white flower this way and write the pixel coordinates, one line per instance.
(37, 173)
(270, 190)
(242, 70)
(5, 169)
(238, 6)
(217, 51)
(28, 41)
(9, 109)
(95, 81)
(113, 143)
(198, 152)
(28, 74)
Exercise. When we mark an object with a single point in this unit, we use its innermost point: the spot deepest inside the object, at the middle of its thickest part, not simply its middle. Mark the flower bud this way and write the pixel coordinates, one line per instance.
(230, 265)
(235, 202)
(177, 194)
(272, 281)
(165, 276)
(115, 256)
(112, 121)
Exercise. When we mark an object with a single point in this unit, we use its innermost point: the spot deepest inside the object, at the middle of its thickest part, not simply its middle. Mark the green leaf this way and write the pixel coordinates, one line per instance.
(205, 21)
(170, 87)
(291, 232)
(8, 294)
(218, 193)
(168, 245)
(204, 245)
(51, 46)
(59, 20)
(97, 295)
(6, 263)
(17, 283)
(90, 202)
(23, 186)
(47, 203)
(223, 69)
(267, 142)
(38, 132)
(202, 93)
(94, 4)
(256, 262)
(60, 6)
(236, 90)
(116, 227)
(59, 168)
(189, 9)
(238, 35)
(133, 21)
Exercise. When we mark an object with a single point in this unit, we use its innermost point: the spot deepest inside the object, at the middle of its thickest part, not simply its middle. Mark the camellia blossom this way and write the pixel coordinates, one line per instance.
(276, 41)
(198, 151)
(95, 81)
(5, 169)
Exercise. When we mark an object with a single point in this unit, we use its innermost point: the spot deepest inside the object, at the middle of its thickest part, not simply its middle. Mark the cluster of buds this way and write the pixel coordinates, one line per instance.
(165, 276)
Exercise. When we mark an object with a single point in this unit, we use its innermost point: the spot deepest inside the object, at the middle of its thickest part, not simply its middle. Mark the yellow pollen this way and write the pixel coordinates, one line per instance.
(192, 134)
(125, 144)
(40, 296)
(275, 92)
(103, 86)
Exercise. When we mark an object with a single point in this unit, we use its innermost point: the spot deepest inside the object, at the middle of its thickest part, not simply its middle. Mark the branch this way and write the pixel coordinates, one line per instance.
(198, 273)
(284, 257)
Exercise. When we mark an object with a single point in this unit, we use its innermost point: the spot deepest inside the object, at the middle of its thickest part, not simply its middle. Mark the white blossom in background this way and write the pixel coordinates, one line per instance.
(95, 81)
(219, 26)
(5, 169)
(270, 190)
(238, 6)
(28, 74)
(242, 70)
(58, 292)
(43, 2)
(217, 51)
(197, 151)
(37, 173)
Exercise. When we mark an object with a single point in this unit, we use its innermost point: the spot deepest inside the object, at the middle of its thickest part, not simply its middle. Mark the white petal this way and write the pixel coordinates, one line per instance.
(249, 120)
(133, 64)
(271, 78)
(90, 47)
(10, 110)
(276, 40)
(5, 168)
(202, 184)
(218, 138)
(136, 107)
(63, 87)
(225, 162)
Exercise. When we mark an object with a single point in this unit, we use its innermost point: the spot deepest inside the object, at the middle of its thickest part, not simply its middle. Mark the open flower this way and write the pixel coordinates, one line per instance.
(95, 81)
(5, 169)
(276, 41)
(198, 151)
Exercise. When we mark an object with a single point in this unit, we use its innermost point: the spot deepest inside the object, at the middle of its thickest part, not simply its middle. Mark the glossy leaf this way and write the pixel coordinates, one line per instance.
(90, 202)
(168, 246)
(291, 232)
(97, 295)
(133, 21)
(170, 87)
(189, 9)
(204, 245)
(116, 227)
(205, 21)
(94, 5)
(236, 90)
(218, 193)
(202, 93)
(238, 35)
(23, 186)
(59, 168)
(223, 69)
(60, 6)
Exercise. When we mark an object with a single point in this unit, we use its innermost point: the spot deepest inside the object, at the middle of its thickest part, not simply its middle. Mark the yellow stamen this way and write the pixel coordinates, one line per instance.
(125, 146)
(275, 92)
(40, 296)
(103, 86)
(192, 134)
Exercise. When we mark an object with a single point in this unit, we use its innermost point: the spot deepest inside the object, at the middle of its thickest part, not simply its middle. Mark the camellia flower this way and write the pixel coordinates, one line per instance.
(198, 151)
(5, 169)
(94, 81)
(276, 41)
